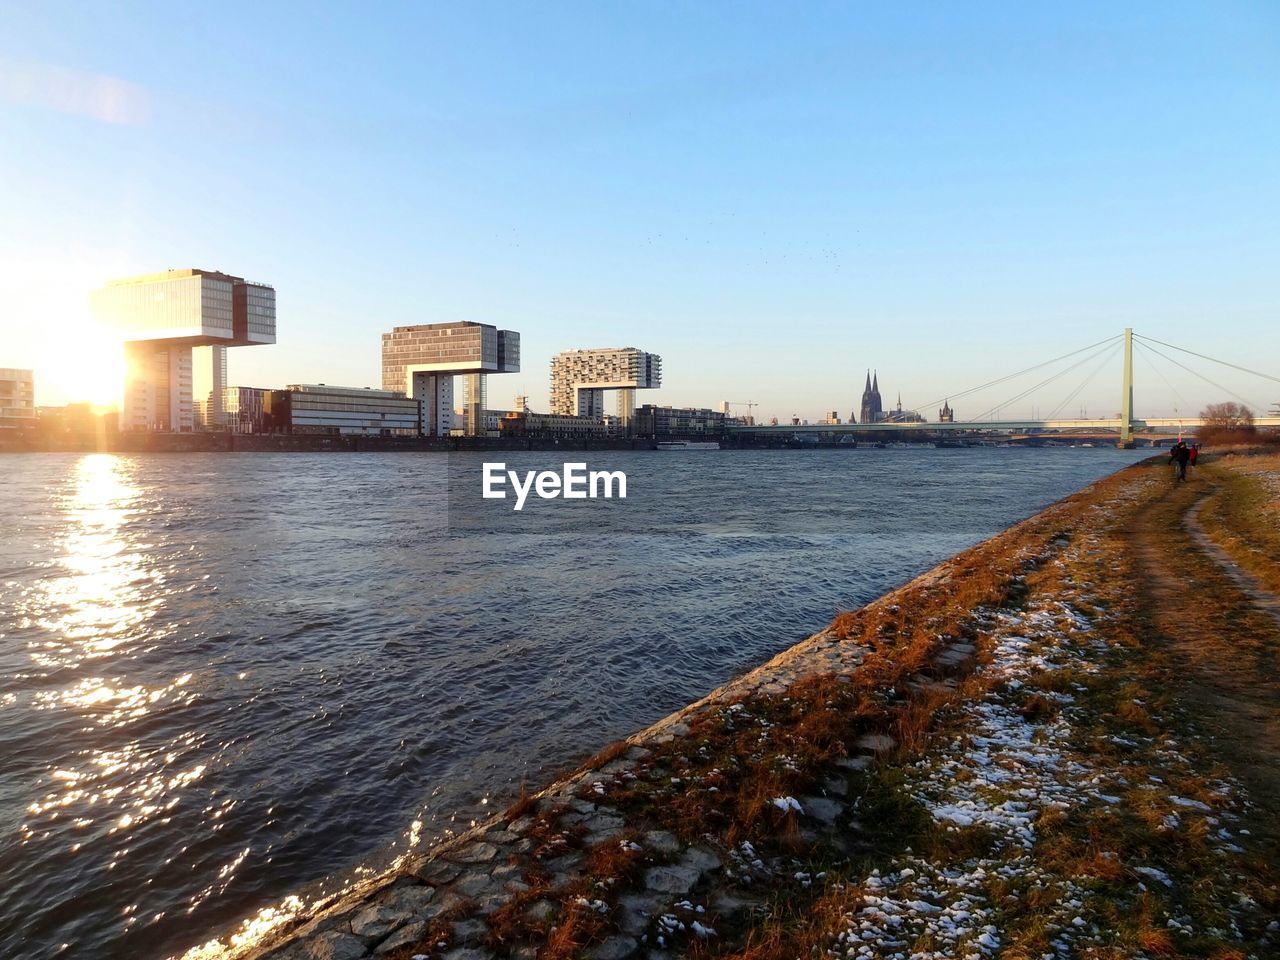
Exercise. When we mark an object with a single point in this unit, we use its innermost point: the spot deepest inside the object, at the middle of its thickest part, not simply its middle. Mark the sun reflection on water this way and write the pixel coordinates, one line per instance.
(101, 594)
(93, 612)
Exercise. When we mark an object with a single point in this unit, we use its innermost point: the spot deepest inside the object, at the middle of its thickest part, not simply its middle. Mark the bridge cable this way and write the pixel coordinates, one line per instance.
(1142, 352)
(1032, 389)
(1233, 366)
(994, 383)
(1110, 355)
(1244, 400)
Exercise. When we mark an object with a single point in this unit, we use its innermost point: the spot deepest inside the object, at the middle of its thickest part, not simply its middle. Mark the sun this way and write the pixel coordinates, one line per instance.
(80, 362)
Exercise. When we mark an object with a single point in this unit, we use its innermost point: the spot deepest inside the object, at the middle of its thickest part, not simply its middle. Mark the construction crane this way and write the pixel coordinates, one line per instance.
(749, 404)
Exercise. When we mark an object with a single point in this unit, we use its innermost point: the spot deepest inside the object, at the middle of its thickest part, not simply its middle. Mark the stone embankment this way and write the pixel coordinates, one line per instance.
(962, 767)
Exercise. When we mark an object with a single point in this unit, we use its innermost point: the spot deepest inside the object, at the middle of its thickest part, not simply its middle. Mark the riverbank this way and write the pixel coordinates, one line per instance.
(998, 758)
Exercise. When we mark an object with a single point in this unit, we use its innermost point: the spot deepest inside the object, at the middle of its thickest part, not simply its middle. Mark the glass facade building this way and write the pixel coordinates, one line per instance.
(244, 409)
(176, 327)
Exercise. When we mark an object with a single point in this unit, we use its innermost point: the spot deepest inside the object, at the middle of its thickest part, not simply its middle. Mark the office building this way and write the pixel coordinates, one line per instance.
(579, 379)
(176, 327)
(342, 411)
(421, 362)
(208, 384)
(244, 409)
(17, 397)
(677, 422)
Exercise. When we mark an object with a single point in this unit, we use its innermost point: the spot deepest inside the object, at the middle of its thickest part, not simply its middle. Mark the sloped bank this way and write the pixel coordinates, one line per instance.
(781, 813)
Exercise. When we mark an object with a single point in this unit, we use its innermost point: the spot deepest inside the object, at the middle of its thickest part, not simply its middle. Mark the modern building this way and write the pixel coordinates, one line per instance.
(579, 379)
(17, 397)
(176, 327)
(552, 426)
(342, 411)
(490, 423)
(244, 409)
(872, 411)
(208, 384)
(677, 422)
(421, 362)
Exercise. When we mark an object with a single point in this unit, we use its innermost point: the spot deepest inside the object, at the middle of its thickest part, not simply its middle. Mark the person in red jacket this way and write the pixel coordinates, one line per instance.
(1195, 452)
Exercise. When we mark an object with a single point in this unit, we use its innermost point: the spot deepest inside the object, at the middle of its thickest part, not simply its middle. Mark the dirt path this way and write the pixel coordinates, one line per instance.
(1223, 630)
(1258, 595)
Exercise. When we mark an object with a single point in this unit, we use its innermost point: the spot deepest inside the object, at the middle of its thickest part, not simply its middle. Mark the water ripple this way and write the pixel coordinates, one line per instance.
(232, 683)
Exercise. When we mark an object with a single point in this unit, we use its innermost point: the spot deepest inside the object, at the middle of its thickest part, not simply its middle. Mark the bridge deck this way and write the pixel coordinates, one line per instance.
(987, 425)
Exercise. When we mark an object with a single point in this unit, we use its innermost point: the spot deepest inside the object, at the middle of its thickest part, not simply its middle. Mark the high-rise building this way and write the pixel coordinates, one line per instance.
(17, 397)
(579, 379)
(208, 385)
(176, 327)
(421, 361)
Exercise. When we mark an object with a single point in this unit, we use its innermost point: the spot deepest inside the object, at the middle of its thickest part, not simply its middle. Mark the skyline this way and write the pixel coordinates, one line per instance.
(773, 201)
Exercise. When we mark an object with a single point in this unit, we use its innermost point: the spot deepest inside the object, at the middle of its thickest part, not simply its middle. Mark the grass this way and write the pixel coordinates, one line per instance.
(1243, 513)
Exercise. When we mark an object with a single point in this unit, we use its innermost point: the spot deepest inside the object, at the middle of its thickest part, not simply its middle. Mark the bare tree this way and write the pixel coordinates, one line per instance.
(1227, 416)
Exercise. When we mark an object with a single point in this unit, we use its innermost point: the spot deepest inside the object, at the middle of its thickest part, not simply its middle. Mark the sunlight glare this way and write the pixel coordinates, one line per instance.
(82, 362)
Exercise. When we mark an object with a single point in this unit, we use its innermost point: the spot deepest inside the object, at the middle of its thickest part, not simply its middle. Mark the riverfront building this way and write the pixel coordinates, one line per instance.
(421, 362)
(898, 415)
(682, 423)
(872, 411)
(244, 409)
(579, 379)
(518, 423)
(946, 414)
(176, 327)
(343, 411)
(17, 397)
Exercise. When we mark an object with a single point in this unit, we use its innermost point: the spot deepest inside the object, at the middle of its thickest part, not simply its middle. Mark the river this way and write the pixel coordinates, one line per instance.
(227, 679)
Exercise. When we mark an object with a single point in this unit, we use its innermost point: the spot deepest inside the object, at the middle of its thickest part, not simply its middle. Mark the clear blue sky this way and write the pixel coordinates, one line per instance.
(774, 197)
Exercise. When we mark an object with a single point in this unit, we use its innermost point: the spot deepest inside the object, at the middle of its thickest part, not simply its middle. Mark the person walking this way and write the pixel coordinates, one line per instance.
(1180, 456)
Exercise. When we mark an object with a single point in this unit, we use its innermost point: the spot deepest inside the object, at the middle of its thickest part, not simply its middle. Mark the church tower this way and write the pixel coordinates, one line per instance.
(872, 411)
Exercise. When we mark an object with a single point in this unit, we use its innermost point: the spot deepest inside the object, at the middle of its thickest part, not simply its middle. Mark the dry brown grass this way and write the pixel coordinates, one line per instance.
(576, 927)
(524, 804)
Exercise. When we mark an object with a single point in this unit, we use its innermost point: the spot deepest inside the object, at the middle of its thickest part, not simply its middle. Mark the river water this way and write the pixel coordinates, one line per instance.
(228, 679)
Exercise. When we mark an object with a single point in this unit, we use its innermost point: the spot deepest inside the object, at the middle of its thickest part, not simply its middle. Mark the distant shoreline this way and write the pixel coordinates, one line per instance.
(307, 443)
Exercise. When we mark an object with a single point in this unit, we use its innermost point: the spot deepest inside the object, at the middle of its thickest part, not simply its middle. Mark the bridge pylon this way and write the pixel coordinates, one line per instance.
(1126, 397)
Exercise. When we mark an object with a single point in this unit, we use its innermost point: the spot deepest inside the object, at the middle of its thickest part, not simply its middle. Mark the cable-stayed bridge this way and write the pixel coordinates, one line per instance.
(1092, 359)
